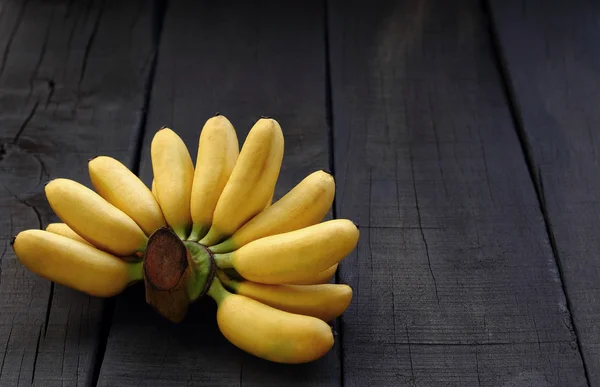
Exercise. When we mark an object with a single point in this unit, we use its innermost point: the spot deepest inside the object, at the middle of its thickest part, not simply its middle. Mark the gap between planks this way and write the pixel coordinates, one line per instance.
(536, 178)
(159, 8)
(331, 140)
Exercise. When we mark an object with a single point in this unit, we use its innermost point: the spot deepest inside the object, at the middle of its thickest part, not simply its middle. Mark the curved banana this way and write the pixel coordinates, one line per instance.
(74, 264)
(64, 230)
(252, 181)
(322, 277)
(270, 333)
(123, 189)
(218, 150)
(306, 204)
(173, 175)
(324, 301)
(270, 201)
(154, 191)
(95, 219)
(295, 255)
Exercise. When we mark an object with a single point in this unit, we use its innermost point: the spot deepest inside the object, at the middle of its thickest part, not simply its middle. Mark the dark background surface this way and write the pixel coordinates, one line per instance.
(462, 136)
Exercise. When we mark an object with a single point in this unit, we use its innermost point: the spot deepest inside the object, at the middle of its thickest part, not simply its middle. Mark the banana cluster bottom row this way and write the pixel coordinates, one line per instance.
(284, 327)
(276, 305)
(280, 322)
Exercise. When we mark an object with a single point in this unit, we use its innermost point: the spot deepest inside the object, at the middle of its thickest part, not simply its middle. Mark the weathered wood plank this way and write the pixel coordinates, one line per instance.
(243, 60)
(72, 80)
(551, 58)
(455, 281)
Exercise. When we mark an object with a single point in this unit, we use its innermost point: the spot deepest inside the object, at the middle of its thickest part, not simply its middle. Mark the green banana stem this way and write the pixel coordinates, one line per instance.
(224, 261)
(212, 237)
(217, 292)
(203, 268)
(198, 232)
(224, 247)
(180, 231)
(143, 247)
(228, 282)
(136, 271)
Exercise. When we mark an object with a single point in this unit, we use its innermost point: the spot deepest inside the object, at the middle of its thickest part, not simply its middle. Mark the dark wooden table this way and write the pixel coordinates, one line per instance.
(463, 136)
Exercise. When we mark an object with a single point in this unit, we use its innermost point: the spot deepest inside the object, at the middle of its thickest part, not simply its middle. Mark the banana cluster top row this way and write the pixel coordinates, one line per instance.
(224, 203)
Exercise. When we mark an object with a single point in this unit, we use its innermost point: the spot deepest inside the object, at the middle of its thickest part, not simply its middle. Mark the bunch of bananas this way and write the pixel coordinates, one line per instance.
(267, 265)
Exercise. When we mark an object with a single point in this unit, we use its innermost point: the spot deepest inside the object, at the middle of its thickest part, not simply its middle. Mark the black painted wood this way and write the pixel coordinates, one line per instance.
(72, 78)
(242, 60)
(551, 61)
(454, 277)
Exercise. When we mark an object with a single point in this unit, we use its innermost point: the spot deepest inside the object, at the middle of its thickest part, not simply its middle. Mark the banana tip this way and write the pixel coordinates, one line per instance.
(327, 171)
(92, 158)
(12, 240)
(356, 225)
(217, 114)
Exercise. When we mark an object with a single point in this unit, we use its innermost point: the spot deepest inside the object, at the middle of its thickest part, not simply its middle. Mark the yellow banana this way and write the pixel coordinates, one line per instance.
(270, 201)
(295, 255)
(123, 189)
(95, 219)
(218, 149)
(252, 181)
(74, 264)
(324, 301)
(322, 277)
(154, 191)
(64, 230)
(306, 204)
(270, 333)
(173, 175)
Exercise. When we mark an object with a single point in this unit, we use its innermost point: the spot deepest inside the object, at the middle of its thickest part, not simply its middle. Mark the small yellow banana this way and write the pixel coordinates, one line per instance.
(74, 264)
(270, 333)
(154, 191)
(270, 201)
(322, 277)
(306, 204)
(293, 256)
(64, 230)
(173, 175)
(252, 181)
(218, 149)
(324, 301)
(123, 189)
(95, 219)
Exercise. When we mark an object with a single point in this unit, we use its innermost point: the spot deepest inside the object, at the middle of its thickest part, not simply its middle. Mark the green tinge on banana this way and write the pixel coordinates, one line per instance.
(202, 270)
(251, 183)
(304, 205)
(218, 150)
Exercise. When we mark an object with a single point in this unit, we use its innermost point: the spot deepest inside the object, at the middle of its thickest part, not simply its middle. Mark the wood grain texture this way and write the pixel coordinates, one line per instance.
(454, 277)
(243, 60)
(551, 60)
(72, 79)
